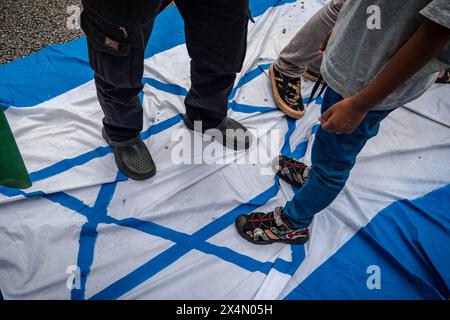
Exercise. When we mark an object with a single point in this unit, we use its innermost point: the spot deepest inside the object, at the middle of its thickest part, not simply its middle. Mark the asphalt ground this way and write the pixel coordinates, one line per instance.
(29, 25)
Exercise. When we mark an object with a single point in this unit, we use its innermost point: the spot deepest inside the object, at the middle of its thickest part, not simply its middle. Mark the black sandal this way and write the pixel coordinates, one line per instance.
(132, 157)
(268, 228)
(290, 170)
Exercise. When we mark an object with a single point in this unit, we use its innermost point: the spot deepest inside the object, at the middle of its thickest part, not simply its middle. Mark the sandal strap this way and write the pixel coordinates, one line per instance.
(445, 78)
(272, 221)
(294, 170)
(260, 235)
(270, 227)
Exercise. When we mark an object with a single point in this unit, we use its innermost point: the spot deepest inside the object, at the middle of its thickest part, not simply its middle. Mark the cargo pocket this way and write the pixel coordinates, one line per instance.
(109, 54)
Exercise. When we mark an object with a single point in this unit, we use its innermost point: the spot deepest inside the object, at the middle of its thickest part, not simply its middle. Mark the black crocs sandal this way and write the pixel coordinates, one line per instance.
(445, 79)
(290, 170)
(230, 133)
(268, 228)
(132, 157)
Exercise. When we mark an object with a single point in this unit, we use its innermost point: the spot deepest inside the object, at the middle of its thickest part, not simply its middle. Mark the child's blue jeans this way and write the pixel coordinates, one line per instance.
(333, 156)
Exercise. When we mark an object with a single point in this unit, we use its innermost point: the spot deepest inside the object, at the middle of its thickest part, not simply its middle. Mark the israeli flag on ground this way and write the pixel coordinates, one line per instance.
(84, 231)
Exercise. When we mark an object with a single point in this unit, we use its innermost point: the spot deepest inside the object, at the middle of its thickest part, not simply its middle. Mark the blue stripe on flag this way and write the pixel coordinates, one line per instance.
(409, 242)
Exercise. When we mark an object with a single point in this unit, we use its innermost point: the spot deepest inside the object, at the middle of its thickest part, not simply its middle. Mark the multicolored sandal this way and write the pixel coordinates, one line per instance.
(445, 78)
(294, 172)
(267, 228)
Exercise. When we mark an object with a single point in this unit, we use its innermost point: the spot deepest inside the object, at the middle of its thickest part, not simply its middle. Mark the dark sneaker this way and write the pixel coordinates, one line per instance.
(230, 133)
(287, 93)
(294, 172)
(267, 228)
(132, 158)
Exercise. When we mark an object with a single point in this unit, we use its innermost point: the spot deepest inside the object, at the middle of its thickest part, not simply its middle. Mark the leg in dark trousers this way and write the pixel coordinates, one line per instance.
(117, 33)
(216, 39)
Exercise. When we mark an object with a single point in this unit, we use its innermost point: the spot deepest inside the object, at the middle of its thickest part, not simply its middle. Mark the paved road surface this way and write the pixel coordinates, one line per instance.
(29, 25)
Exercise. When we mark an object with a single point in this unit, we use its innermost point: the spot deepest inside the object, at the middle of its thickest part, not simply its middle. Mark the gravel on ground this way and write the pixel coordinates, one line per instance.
(29, 25)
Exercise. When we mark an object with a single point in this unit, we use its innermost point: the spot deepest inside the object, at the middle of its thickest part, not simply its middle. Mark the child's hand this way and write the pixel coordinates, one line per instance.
(344, 117)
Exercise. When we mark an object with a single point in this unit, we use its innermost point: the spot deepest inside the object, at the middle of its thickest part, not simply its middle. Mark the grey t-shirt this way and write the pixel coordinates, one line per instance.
(356, 54)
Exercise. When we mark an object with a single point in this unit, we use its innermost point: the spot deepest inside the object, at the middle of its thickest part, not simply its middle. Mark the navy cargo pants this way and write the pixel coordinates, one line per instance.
(118, 31)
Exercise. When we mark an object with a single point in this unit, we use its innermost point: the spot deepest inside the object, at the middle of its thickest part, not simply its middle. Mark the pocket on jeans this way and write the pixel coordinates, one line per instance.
(109, 56)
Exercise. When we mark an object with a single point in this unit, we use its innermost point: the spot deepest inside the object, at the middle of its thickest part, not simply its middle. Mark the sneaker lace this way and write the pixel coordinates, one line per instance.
(262, 220)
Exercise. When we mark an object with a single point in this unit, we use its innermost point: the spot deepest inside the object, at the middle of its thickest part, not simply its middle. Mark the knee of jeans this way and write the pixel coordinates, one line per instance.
(333, 179)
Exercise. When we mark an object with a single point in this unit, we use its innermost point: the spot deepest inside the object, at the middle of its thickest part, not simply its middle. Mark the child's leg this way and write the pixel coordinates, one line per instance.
(303, 50)
(333, 156)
